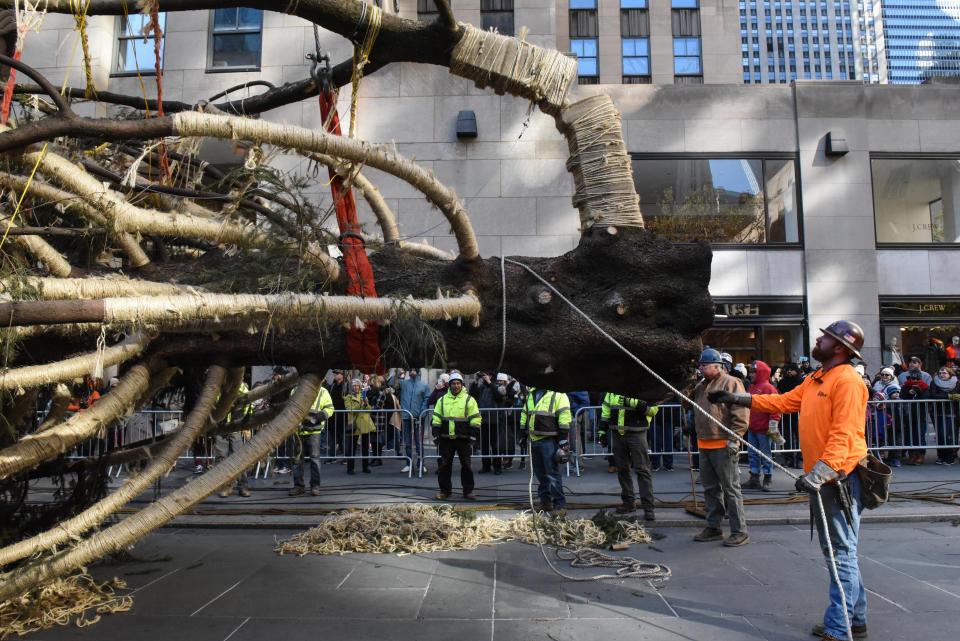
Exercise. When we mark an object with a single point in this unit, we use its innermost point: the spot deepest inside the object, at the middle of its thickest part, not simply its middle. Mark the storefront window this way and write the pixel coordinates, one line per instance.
(921, 328)
(916, 200)
(774, 345)
(721, 200)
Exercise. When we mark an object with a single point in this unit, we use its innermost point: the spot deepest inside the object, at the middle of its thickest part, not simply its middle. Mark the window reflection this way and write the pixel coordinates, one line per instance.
(916, 200)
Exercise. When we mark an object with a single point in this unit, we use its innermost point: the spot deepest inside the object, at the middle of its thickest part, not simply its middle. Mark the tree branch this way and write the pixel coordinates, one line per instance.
(446, 14)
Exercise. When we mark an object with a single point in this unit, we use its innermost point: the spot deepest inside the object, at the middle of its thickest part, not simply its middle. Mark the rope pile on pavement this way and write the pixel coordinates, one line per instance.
(416, 528)
(78, 597)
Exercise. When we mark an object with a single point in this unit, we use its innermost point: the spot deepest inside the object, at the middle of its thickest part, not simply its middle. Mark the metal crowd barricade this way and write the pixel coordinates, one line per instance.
(664, 438)
(499, 435)
(337, 442)
(895, 426)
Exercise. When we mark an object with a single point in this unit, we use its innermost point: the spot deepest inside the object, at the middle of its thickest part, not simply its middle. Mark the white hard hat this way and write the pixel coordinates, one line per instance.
(456, 376)
(502, 377)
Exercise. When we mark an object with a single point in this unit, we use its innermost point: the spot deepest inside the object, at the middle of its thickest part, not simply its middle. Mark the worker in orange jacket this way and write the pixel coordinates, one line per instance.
(832, 403)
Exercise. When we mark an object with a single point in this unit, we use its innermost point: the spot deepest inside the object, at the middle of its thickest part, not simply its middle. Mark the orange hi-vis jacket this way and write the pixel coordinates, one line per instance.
(833, 408)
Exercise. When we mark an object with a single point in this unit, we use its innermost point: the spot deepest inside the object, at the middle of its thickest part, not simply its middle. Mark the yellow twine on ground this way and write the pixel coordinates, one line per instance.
(361, 56)
(78, 597)
(416, 528)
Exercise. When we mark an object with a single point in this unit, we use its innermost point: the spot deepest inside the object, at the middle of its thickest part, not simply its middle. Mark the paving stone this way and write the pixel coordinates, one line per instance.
(144, 628)
(264, 629)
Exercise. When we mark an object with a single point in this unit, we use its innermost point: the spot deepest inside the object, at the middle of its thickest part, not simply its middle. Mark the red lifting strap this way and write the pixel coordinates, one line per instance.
(363, 345)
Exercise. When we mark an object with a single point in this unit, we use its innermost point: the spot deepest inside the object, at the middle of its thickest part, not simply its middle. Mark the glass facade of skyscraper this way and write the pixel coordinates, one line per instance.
(784, 41)
(922, 39)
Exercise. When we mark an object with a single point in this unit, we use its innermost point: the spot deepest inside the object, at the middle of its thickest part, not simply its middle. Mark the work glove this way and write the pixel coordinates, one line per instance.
(721, 396)
(820, 474)
(773, 431)
(733, 448)
(642, 407)
(954, 397)
(604, 439)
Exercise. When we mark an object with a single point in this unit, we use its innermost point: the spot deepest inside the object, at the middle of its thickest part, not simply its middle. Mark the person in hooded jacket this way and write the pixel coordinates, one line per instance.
(944, 385)
(413, 398)
(761, 430)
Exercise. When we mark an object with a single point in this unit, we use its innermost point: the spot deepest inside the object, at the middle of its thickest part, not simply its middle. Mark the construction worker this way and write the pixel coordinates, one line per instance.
(308, 443)
(627, 420)
(545, 419)
(719, 452)
(832, 402)
(226, 444)
(456, 425)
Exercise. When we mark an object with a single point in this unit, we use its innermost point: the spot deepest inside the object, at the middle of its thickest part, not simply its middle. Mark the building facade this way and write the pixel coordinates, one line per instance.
(823, 200)
(921, 39)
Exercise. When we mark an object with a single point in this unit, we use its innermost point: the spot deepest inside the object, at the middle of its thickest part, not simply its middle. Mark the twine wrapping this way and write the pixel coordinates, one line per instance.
(510, 65)
(601, 168)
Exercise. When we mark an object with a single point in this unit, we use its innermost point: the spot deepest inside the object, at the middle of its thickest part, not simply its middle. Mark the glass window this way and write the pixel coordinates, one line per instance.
(134, 47)
(633, 4)
(636, 57)
(582, 4)
(684, 4)
(235, 40)
(686, 56)
(583, 24)
(586, 50)
(916, 200)
(498, 15)
(427, 10)
(724, 200)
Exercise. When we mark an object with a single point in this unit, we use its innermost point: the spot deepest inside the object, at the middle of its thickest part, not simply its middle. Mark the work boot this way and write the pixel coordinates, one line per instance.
(820, 630)
(314, 491)
(442, 496)
(753, 483)
(709, 534)
(560, 511)
(244, 492)
(767, 482)
(627, 507)
(297, 490)
(225, 492)
(648, 514)
(736, 539)
(470, 496)
(545, 507)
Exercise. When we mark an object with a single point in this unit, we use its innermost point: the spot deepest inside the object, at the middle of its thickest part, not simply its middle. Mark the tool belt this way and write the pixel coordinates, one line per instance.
(874, 477)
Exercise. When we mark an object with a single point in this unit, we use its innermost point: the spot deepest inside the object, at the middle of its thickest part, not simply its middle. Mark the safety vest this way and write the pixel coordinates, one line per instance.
(624, 410)
(247, 409)
(319, 412)
(549, 417)
(460, 413)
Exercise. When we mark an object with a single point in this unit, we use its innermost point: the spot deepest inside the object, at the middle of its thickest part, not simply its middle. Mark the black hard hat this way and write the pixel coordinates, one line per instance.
(848, 333)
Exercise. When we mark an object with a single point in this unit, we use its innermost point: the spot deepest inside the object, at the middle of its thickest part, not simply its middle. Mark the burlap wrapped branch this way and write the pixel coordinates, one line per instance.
(35, 448)
(601, 168)
(510, 65)
(85, 288)
(162, 461)
(36, 375)
(53, 260)
(191, 124)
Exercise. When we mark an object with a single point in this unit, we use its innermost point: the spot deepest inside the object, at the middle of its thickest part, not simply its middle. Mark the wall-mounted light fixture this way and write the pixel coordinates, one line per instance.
(466, 124)
(836, 144)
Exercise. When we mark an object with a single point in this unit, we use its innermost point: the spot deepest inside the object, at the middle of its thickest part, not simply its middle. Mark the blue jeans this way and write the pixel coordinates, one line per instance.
(843, 537)
(309, 449)
(762, 443)
(410, 438)
(547, 472)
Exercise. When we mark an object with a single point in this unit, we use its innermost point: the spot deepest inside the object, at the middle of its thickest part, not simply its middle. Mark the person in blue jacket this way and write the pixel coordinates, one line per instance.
(413, 398)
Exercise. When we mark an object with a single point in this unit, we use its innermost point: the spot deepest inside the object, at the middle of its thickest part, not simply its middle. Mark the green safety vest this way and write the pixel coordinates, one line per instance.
(624, 409)
(459, 412)
(320, 411)
(549, 417)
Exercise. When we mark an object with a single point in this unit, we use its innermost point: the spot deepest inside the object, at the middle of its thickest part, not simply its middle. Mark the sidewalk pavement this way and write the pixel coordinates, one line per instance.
(271, 507)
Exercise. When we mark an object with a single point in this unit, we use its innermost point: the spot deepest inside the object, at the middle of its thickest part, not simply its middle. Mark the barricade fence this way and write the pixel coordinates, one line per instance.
(893, 428)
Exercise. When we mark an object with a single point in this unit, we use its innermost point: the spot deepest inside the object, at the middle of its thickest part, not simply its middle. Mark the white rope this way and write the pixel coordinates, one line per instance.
(681, 395)
(627, 566)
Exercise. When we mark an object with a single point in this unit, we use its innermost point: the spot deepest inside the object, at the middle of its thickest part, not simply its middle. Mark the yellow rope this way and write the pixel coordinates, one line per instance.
(361, 56)
(81, 21)
(43, 151)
